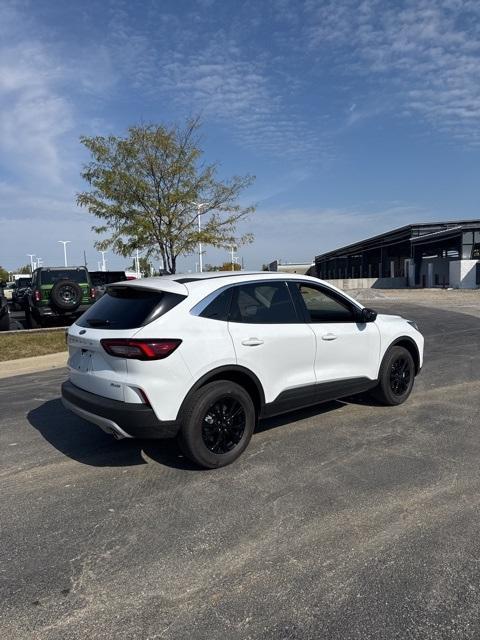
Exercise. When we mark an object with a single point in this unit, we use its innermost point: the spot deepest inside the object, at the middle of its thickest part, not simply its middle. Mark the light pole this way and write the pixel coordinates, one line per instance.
(65, 242)
(31, 256)
(136, 262)
(199, 206)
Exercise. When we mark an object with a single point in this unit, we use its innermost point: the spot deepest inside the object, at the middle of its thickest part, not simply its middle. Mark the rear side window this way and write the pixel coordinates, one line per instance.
(219, 308)
(128, 308)
(260, 303)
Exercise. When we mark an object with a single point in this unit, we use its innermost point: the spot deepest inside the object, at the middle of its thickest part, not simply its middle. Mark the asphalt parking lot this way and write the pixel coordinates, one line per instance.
(347, 521)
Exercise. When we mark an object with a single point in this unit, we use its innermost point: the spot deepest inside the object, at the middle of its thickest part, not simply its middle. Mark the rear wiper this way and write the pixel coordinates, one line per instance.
(98, 322)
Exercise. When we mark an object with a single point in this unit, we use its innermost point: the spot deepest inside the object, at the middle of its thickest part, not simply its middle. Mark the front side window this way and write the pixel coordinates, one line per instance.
(320, 306)
(262, 303)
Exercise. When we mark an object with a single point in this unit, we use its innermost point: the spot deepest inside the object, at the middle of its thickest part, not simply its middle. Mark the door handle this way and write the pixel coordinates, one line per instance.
(252, 342)
(329, 336)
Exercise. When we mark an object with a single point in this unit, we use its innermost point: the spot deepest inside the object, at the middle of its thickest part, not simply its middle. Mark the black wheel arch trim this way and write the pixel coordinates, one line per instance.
(411, 342)
(215, 374)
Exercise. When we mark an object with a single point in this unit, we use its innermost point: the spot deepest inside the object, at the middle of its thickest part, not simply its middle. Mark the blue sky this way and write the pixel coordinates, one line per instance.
(355, 116)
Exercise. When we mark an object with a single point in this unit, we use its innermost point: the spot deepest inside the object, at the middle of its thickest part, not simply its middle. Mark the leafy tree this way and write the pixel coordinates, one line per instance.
(226, 266)
(26, 269)
(145, 186)
(144, 265)
(4, 275)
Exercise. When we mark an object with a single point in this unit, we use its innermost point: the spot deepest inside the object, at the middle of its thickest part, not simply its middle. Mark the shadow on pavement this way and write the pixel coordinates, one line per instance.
(88, 444)
(299, 414)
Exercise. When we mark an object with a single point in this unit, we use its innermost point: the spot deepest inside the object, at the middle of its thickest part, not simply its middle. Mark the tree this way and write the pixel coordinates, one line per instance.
(144, 265)
(226, 266)
(26, 269)
(144, 187)
(4, 275)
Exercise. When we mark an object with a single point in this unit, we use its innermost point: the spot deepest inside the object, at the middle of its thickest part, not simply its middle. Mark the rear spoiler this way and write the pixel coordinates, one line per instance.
(153, 284)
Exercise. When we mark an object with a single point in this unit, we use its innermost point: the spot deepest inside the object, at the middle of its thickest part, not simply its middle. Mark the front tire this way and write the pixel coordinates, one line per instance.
(397, 375)
(217, 424)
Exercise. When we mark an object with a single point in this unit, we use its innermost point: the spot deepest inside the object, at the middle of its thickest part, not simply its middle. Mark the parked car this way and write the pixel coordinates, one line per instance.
(100, 280)
(22, 285)
(60, 293)
(203, 357)
(4, 314)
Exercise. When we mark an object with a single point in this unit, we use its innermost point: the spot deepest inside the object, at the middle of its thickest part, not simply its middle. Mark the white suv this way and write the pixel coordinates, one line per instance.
(203, 357)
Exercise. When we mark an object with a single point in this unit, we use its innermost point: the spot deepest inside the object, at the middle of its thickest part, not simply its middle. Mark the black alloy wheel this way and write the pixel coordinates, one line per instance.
(396, 377)
(223, 425)
(400, 375)
(217, 422)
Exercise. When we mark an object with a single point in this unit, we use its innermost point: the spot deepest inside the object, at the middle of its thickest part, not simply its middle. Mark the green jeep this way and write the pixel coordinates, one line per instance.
(59, 293)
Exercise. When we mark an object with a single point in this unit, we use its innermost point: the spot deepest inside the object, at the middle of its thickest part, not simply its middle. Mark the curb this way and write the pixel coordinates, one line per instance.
(28, 331)
(10, 368)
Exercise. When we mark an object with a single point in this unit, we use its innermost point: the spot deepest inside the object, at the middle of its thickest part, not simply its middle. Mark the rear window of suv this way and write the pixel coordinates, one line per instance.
(128, 308)
(80, 276)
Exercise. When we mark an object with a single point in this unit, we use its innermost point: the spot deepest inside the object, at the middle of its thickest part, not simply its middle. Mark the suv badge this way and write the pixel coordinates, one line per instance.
(82, 332)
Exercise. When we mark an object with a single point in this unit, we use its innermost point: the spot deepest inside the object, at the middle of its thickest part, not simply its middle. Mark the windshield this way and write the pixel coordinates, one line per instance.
(23, 282)
(79, 276)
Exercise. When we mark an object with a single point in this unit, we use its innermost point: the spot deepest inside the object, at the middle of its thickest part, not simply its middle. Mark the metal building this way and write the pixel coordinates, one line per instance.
(433, 254)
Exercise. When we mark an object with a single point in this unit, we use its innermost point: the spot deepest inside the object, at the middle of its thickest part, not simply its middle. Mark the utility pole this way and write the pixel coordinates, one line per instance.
(85, 258)
(104, 264)
(31, 256)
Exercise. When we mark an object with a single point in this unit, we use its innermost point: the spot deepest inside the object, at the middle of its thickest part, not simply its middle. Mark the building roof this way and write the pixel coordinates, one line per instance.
(402, 234)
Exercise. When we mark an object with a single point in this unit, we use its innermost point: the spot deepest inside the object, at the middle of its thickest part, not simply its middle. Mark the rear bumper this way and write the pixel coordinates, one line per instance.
(47, 311)
(122, 419)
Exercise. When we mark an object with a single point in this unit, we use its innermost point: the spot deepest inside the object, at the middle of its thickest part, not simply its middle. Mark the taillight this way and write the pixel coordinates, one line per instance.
(37, 295)
(92, 292)
(139, 349)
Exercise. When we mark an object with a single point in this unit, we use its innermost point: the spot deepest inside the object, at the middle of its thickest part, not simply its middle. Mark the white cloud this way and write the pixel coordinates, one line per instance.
(34, 114)
(424, 54)
(216, 76)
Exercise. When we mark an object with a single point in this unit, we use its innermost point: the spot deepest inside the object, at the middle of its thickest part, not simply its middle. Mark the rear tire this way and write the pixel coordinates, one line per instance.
(217, 424)
(396, 378)
(30, 320)
(5, 323)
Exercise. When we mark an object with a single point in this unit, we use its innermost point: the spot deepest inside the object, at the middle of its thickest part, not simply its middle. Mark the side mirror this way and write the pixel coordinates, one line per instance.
(367, 315)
